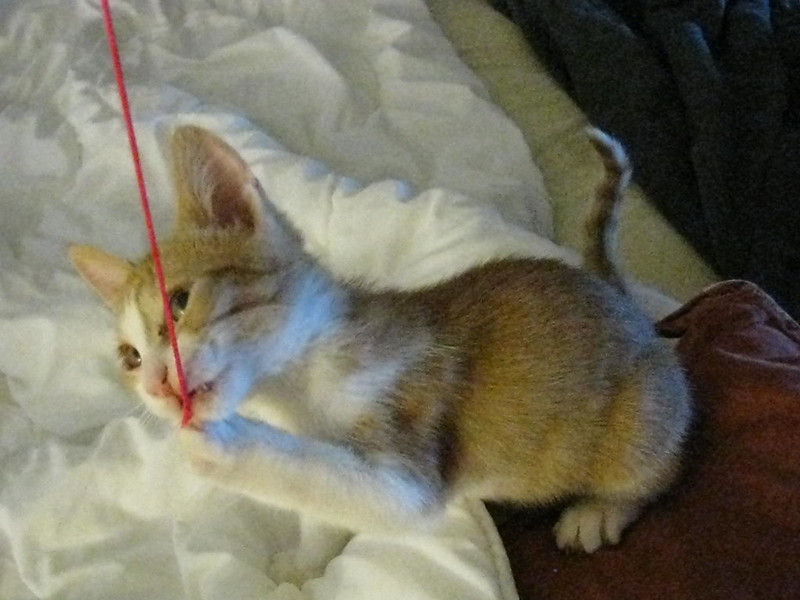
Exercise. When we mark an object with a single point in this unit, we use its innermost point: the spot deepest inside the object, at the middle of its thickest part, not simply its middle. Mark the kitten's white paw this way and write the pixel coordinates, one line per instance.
(285, 567)
(205, 458)
(589, 524)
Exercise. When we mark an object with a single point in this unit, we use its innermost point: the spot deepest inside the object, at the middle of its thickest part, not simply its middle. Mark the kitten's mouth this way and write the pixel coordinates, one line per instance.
(202, 390)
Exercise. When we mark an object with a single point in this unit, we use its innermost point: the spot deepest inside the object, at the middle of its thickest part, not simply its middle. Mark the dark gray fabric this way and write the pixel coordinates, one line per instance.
(705, 94)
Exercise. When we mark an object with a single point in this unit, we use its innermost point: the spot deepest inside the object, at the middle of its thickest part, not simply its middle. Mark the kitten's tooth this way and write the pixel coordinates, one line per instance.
(202, 389)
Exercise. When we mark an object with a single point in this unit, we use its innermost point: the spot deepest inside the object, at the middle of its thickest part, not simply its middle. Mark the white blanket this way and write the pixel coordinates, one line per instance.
(362, 123)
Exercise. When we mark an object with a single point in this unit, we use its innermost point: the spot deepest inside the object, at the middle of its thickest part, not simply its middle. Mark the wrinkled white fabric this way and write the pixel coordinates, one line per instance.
(364, 126)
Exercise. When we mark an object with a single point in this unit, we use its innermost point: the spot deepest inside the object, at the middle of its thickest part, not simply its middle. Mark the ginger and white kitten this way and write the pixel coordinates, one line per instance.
(520, 380)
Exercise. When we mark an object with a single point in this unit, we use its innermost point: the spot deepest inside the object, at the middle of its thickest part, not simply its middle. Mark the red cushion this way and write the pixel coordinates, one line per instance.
(731, 528)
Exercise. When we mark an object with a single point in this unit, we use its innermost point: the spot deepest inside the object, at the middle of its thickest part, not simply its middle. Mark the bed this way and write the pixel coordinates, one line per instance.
(407, 141)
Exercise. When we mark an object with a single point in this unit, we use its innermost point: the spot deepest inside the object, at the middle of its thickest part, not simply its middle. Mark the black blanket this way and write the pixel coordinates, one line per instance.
(705, 94)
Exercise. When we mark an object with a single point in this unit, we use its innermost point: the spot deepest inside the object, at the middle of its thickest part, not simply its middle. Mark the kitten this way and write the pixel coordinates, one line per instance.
(520, 380)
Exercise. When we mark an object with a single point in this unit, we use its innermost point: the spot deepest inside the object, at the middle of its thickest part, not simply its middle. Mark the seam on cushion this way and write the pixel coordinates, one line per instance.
(677, 323)
(673, 326)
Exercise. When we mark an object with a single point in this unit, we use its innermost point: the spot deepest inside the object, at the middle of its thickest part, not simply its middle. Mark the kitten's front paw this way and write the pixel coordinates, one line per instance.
(205, 457)
(589, 524)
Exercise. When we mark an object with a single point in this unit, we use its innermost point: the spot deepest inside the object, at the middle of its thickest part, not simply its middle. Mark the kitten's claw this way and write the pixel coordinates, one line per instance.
(588, 525)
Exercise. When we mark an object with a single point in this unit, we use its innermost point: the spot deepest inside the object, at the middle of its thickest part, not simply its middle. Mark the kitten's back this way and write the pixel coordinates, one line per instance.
(548, 352)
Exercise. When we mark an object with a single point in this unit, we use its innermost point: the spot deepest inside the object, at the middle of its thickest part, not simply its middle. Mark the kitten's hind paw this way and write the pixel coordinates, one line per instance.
(589, 524)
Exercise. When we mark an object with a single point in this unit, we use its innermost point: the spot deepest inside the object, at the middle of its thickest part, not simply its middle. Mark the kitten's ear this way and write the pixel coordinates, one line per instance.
(105, 273)
(215, 186)
(217, 189)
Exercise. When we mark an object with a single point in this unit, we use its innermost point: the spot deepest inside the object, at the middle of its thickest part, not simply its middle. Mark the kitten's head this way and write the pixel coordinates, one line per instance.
(228, 265)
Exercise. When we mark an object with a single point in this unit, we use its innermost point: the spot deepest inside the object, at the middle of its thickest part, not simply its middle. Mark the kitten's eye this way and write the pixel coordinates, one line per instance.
(177, 303)
(131, 359)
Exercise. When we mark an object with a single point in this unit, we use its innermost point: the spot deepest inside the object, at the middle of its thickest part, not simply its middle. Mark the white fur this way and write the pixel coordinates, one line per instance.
(308, 311)
(312, 306)
(131, 326)
(344, 398)
(132, 331)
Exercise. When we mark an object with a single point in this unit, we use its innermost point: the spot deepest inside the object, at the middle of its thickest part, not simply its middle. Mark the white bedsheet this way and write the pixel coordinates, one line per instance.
(362, 123)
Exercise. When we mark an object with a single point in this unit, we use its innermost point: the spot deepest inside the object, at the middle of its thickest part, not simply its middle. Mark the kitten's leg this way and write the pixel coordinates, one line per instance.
(638, 457)
(330, 481)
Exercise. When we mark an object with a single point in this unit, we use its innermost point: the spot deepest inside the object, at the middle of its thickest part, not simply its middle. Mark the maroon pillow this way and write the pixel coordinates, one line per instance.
(731, 528)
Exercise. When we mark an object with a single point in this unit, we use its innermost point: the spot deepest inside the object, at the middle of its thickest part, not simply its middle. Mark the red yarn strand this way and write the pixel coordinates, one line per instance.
(137, 164)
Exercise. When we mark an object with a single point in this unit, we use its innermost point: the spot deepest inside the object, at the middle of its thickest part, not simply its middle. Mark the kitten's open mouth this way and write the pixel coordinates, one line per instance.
(201, 390)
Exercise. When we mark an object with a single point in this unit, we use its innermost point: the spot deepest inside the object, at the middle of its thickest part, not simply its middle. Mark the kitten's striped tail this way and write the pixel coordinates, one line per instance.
(600, 249)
